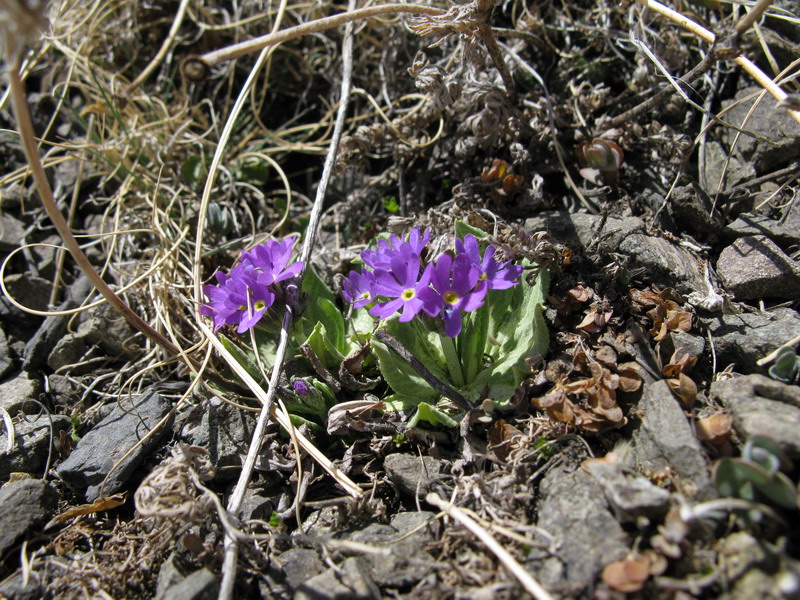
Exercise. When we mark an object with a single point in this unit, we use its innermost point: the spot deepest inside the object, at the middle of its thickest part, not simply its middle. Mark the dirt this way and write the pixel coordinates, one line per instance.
(670, 231)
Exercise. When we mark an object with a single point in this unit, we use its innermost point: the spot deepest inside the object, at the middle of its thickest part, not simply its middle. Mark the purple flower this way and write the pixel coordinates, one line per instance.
(270, 260)
(456, 287)
(357, 288)
(498, 276)
(237, 299)
(301, 387)
(243, 296)
(396, 246)
(403, 284)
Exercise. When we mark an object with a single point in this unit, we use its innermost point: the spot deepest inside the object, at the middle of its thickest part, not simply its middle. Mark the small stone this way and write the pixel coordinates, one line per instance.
(6, 356)
(665, 441)
(299, 565)
(413, 475)
(407, 562)
(763, 407)
(12, 230)
(107, 442)
(53, 329)
(16, 394)
(745, 338)
(631, 496)
(109, 330)
(25, 506)
(31, 444)
(351, 582)
(775, 142)
(753, 267)
(30, 291)
(573, 509)
(200, 585)
(665, 263)
(751, 224)
(15, 588)
(226, 432)
(582, 230)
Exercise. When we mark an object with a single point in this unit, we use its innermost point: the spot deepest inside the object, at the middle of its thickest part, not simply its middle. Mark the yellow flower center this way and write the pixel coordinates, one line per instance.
(260, 305)
(408, 294)
(450, 298)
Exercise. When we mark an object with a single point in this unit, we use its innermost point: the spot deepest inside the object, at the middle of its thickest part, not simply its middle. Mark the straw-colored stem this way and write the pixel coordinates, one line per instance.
(749, 67)
(277, 37)
(751, 17)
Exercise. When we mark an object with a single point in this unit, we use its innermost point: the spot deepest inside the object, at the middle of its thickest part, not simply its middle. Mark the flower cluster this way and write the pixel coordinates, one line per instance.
(397, 280)
(244, 295)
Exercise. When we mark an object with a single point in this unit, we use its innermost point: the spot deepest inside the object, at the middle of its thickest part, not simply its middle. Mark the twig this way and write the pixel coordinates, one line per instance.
(210, 59)
(751, 17)
(533, 587)
(483, 11)
(774, 354)
(749, 67)
(384, 336)
(231, 542)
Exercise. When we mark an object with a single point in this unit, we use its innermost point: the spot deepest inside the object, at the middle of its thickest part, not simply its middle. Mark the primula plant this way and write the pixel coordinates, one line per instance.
(439, 327)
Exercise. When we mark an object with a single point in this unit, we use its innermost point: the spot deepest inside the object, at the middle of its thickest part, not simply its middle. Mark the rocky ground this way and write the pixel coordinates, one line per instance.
(650, 452)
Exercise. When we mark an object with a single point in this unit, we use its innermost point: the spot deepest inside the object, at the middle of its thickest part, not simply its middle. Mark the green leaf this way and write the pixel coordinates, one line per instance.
(194, 170)
(786, 367)
(320, 308)
(254, 172)
(517, 330)
(736, 478)
(391, 205)
(422, 344)
(780, 490)
(472, 340)
(243, 357)
(324, 347)
(430, 414)
(463, 229)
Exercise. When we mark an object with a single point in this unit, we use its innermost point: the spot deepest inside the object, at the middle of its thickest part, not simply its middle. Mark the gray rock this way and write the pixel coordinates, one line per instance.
(778, 130)
(31, 444)
(665, 439)
(6, 356)
(631, 496)
(572, 508)
(754, 267)
(200, 585)
(12, 230)
(665, 263)
(106, 328)
(405, 562)
(581, 230)
(755, 568)
(299, 565)
(692, 209)
(225, 431)
(413, 475)
(171, 573)
(352, 582)
(52, 330)
(25, 506)
(749, 224)
(16, 392)
(745, 338)
(107, 442)
(732, 167)
(30, 291)
(69, 350)
(15, 588)
(763, 407)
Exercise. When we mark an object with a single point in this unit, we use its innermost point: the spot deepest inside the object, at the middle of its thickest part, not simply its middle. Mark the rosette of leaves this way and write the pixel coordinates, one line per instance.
(757, 475)
(786, 367)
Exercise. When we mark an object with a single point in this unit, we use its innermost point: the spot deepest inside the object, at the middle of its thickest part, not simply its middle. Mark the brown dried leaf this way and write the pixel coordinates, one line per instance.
(630, 376)
(627, 575)
(99, 505)
(715, 429)
(685, 389)
(503, 438)
(606, 354)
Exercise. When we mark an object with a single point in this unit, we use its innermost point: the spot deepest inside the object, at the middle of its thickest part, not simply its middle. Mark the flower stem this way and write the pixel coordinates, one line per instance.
(452, 360)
